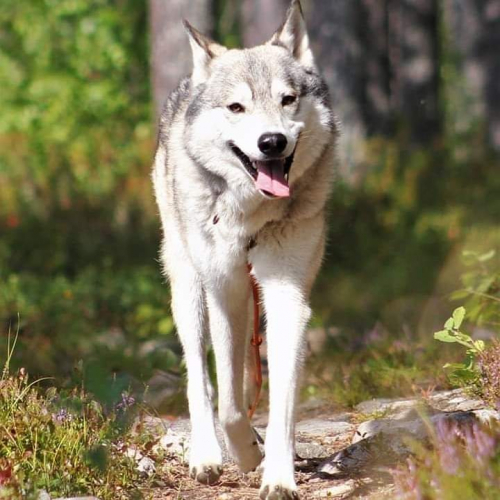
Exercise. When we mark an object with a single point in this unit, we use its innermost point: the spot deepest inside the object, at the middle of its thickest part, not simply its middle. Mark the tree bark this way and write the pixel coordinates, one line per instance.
(373, 30)
(260, 19)
(334, 33)
(380, 59)
(474, 35)
(170, 51)
(414, 51)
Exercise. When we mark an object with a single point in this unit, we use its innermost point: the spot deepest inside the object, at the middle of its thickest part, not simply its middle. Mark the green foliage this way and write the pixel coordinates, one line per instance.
(466, 373)
(103, 315)
(481, 288)
(74, 101)
(78, 232)
(66, 443)
(350, 371)
(480, 371)
(391, 235)
(464, 458)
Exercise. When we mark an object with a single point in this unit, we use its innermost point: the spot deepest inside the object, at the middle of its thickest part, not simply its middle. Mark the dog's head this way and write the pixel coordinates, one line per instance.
(260, 108)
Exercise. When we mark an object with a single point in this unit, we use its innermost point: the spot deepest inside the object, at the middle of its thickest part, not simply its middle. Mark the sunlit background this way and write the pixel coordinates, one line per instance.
(415, 84)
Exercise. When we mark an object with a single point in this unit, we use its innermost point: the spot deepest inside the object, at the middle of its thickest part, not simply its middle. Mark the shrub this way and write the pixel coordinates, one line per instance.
(65, 442)
(464, 463)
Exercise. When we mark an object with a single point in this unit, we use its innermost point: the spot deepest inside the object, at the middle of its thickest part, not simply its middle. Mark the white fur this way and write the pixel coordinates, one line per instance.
(205, 254)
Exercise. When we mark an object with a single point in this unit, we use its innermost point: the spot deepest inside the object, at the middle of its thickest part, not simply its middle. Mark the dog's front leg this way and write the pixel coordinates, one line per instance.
(285, 269)
(287, 314)
(227, 301)
(205, 460)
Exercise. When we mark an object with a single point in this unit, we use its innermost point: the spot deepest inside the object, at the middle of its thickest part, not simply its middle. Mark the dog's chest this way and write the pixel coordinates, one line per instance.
(243, 217)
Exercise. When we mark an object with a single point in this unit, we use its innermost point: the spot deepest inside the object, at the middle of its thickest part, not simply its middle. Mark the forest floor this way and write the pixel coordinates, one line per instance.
(234, 485)
(341, 453)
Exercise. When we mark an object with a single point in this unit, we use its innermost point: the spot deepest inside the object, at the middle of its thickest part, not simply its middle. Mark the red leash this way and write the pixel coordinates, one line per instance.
(255, 342)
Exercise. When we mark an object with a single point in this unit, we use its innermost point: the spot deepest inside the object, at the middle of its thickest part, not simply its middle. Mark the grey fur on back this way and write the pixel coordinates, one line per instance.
(226, 200)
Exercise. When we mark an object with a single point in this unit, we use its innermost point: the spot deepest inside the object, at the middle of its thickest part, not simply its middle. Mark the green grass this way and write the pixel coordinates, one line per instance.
(350, 371)
(67, 443)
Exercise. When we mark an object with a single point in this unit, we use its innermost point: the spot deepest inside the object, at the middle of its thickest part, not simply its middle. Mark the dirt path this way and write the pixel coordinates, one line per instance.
(321, 432)
(341, 455)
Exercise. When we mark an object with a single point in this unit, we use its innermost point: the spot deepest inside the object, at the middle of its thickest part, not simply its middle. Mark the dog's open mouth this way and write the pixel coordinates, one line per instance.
(271, 176)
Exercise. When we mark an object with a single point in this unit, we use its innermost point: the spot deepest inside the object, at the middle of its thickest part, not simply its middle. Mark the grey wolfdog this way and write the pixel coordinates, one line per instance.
(242, 173)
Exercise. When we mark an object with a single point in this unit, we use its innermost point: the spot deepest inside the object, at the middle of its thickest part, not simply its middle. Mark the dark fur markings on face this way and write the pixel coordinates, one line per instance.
(197, 104)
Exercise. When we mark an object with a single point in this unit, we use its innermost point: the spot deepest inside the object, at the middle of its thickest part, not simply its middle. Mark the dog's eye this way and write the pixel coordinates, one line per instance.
(288, 99)
(236, 107)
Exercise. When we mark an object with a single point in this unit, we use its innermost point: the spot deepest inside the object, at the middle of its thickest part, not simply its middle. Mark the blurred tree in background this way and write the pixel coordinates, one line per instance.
(76, 210)
(414, 83)
(170, 54)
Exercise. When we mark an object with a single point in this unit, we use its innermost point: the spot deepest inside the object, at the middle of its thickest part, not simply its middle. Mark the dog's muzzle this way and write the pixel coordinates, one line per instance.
(270, 176)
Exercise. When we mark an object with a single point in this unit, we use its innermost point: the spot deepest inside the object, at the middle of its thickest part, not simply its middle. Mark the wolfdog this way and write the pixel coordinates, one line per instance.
(242, 173)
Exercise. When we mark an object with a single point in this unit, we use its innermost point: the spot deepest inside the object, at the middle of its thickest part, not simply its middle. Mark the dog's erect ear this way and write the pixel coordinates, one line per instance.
(293, 35)
(204, 50)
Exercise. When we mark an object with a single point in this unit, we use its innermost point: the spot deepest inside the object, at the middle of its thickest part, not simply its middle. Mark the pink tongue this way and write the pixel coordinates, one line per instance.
(271, 178)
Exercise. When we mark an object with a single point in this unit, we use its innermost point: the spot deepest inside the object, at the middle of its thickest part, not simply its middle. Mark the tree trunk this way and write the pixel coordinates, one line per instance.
(170, 51)
(414, 50)
(373, 30)
(379, 58)
(474, 35)
(334, 33)
(260, 19)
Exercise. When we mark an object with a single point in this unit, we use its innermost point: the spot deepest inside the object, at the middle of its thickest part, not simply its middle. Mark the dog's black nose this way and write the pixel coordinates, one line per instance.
(272, 144)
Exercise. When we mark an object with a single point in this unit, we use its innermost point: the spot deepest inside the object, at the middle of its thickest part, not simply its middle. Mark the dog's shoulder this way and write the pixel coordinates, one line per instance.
(176, 101)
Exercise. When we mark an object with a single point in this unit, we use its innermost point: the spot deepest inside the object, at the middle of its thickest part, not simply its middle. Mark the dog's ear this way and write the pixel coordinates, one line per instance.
(293, 35)
(204, 50)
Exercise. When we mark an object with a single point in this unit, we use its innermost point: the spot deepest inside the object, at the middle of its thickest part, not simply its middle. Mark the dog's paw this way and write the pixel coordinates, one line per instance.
(206, 474)
(243, 445)
(249, 458)
(277, 492)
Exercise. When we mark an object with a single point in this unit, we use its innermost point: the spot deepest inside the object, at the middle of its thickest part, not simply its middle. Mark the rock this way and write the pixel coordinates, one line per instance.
(388, 406)
(42, 495)
(155, 425)
(374, 444)
(146, 466)
(339, 491)
(174, 444)
(162, 386)
(77, 498)
(387, 440)
(327, 427)
(463, 418)
(351, 459)
(487, 416)
(390, 427)
(455, 400)
(307, 451)
(175, 436)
